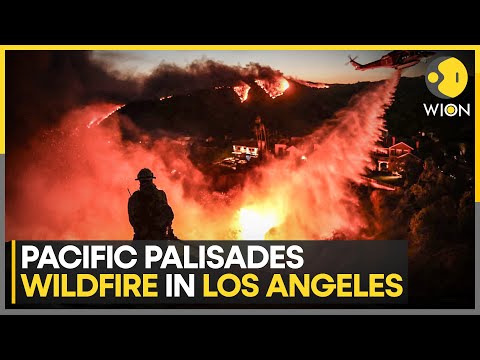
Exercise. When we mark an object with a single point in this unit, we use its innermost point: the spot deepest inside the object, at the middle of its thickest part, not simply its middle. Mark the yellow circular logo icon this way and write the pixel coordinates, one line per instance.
(446, 77)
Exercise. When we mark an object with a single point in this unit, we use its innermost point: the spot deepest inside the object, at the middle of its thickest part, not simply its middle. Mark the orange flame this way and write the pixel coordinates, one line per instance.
(242, 91)
(275, 87)
(255, 223)
(102, 109)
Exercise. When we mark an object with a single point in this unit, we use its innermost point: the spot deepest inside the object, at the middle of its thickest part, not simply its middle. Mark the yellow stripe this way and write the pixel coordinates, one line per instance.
(2, 101)
(241, 47)
(13, 273)
(477, 124)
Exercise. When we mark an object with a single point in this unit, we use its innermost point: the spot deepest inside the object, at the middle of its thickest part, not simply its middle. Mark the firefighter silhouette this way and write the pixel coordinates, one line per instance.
(148, 210)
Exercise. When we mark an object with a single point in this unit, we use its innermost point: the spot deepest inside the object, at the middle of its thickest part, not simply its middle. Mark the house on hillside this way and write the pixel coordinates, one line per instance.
(397, 152)
(245, 148)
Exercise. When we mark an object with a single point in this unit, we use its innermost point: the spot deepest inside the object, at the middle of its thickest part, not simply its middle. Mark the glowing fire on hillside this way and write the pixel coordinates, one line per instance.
(242, 91)
(109, 109)
(274, 87)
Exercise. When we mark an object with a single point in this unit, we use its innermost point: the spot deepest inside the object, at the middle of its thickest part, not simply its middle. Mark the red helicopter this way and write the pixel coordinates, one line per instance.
(397, 59)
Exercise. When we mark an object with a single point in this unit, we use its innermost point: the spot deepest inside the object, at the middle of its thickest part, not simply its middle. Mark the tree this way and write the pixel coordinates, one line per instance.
(434, 225)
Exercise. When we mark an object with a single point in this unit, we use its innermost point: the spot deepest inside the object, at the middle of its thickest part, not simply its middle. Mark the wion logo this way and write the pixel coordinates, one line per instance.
(446, 78)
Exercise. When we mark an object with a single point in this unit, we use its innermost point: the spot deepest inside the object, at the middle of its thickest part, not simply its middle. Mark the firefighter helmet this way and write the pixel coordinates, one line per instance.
(145, 174)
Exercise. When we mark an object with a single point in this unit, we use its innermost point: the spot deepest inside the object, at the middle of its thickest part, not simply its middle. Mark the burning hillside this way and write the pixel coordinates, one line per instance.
(242, 91)
(274, 87)
(109, 109)
(229, 110)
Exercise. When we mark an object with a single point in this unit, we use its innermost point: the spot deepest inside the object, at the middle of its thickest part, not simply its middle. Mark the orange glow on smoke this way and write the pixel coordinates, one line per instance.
(73, 184)
(312, 84)
(275, 87)
(242, 91)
